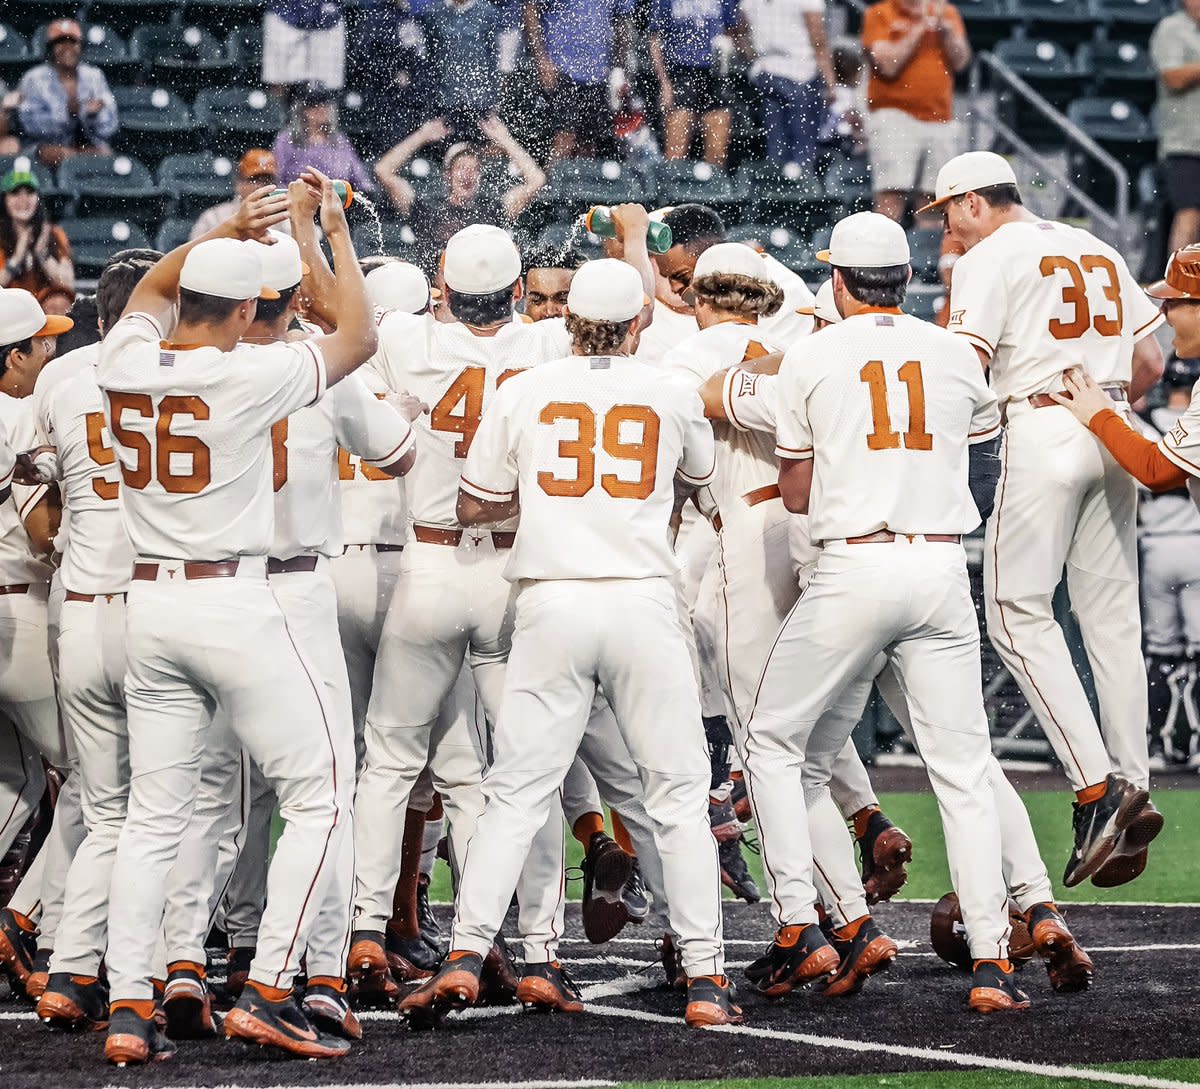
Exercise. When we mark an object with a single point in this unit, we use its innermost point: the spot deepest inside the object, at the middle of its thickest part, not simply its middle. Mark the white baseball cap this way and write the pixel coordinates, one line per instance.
(398, 285)
(866, 240)
(281, 264)
(21, 317)
(480, 260)
(606, 290)
(731, 258)
(226, 268)
(968, 172)
(823, 306)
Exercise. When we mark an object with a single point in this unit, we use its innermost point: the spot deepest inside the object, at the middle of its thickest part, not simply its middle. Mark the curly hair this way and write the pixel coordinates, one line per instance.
(739, 294)
(597, 337)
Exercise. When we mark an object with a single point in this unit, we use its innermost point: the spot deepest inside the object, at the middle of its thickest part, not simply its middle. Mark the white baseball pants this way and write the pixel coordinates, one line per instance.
(627, 636)
(1063, 500)
(911, 601)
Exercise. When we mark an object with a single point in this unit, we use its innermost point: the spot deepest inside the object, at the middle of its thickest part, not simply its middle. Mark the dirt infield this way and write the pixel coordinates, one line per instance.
(1142, 1006)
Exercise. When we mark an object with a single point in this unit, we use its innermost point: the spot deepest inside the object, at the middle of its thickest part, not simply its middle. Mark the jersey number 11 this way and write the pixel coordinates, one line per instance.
(882, 435)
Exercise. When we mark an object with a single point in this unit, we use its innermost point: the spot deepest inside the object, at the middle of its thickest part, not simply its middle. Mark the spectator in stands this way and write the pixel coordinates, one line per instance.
(9, 144)
(256, 169)
(846, 124)
(548, 276)
(915, 47)
(312, 139)
(578, 46)
(66, 107)
(34, 252)
(464, 201)
(1175, 50)
(304, 42)
(461, 45)
(682, 34)
(792, 70)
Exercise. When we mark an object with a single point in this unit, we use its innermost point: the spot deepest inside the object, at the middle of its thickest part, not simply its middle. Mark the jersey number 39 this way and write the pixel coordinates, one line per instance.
(582, 449)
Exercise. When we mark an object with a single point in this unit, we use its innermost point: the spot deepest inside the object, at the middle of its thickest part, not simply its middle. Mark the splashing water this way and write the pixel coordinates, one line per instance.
(577, 233)
(369, 207)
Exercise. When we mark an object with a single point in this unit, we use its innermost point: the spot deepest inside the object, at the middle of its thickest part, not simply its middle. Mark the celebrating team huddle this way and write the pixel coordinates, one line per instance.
(378, 559)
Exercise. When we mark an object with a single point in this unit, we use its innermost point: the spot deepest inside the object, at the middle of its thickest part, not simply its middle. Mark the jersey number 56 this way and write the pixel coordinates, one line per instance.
(159, 459)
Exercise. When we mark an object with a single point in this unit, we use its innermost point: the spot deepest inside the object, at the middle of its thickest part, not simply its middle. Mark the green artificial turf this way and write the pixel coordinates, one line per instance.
(1173, 875)
(1184, 1070)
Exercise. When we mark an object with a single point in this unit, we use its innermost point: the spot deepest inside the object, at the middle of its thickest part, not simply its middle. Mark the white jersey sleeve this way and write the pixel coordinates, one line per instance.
(368, 427)
(8, 462)
(978, 301)
(750, 400)
(986, 420)
(1144, 315)
(490, 472)
(793, 430)
(1181, 445)
(698, 461)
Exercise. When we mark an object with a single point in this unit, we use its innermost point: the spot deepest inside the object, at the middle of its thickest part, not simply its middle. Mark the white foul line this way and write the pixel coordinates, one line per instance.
(929, 1055)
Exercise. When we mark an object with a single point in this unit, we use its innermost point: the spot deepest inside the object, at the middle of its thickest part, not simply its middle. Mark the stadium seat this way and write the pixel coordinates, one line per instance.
(786, 194)
(172, 233)
(925, 247)
(1044, 64)
(788, 247)
(94, 240)
(1122, 130)
(28, 15)
(848, 181)
(15, 55)
(243, 46)
(1119, 68)
(155, 122)
(988, 21)
(184, 58)
(1132, 18)
(239, 118)
(221, 16)
(395, 239)
(111, 185)
(196, 181)
(580, 183)
(125, 16)
(1067, 22)
(683, 182)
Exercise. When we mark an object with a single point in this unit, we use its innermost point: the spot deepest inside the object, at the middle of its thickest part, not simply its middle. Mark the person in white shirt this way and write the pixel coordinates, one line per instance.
(876, 419)
(597, 446)
(1035, 299)
(190, 419)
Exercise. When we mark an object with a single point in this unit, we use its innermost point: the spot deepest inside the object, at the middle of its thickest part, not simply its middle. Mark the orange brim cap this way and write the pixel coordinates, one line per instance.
(55, 326)
(268, 293)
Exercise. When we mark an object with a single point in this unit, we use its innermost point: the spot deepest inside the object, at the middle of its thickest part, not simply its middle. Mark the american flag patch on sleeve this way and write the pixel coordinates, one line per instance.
(166, 359)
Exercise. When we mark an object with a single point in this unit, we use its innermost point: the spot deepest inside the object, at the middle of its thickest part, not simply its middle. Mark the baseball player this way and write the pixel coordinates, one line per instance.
(1169, 464)
(69, 416)
(27, 692)
(878, 418)
(548, 278)
(190, 418)
(451, 603)
(596, 445)
(1035, 298)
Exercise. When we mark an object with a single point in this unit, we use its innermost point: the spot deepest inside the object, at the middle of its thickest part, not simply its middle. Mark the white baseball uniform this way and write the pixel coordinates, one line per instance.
(885, 406)
(1036, 299)
(593, 445)
(451, 604)
(96, 562)
(191, 429)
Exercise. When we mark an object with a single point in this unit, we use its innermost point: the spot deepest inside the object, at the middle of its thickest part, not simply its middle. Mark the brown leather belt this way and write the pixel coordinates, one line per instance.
(886, 536)
(1046, 400)
(192, 569)
(751, 499)
(89, 598)
(21, 589)
(453, 537)
(292, 566)
(376, 547)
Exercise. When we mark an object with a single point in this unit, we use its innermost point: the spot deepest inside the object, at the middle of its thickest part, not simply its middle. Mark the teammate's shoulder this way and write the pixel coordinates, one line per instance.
(66, 366)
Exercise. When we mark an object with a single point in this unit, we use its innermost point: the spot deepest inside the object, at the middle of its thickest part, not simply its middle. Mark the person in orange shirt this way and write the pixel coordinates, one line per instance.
(915, 47)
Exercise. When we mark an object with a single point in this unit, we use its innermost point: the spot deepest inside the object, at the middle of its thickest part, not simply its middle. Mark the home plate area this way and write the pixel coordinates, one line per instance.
(913, 1018)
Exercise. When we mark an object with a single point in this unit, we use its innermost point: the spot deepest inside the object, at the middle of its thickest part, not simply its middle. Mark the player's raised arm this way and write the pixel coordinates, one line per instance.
(354, 341)
(158, 290)
(632, 221)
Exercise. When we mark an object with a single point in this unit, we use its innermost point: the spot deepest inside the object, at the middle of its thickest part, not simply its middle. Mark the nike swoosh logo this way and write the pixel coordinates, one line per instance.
(301, 1034)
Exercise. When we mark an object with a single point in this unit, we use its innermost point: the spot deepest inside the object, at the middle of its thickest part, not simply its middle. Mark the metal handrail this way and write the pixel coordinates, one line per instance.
(1117, 221)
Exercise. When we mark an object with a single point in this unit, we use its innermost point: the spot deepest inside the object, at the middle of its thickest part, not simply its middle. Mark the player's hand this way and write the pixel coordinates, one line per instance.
(333, 214)
(631, 221)
(37, 466)
(262, 209)
(409, 405)
(1084, 398)
(304, 199)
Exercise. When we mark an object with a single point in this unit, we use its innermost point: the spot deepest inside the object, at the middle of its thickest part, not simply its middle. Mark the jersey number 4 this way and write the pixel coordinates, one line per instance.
(155, 460)
(1075, 295)
(582, 450)
(883, 436)
(465, 391)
